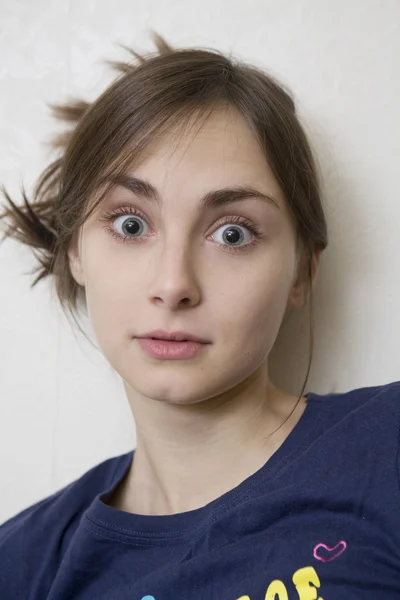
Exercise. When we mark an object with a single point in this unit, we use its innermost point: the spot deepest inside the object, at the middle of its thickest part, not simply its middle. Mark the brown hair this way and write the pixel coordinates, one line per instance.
(145, 101)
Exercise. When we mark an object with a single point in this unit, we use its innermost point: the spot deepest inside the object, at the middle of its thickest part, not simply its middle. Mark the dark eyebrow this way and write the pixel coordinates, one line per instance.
(213, 199)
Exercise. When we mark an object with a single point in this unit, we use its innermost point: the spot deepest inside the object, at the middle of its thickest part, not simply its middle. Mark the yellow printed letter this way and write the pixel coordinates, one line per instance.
(276, 588)
(303, 579)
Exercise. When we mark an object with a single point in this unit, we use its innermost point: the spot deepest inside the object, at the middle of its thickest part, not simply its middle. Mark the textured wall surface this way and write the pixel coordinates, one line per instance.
(62, 410)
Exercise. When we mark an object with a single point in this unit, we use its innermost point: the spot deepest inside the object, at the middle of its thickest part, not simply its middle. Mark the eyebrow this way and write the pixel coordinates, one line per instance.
(213, 199)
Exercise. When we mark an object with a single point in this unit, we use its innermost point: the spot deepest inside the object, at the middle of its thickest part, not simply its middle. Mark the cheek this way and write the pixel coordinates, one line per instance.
(110, 299)
(250, 317)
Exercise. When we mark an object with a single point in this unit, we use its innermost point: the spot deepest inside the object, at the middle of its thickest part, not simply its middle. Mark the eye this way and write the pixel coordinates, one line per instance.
(234, 230)
(132, 226)
(233, 235)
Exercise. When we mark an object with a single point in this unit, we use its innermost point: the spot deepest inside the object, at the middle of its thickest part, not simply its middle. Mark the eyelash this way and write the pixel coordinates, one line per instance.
(125, 210)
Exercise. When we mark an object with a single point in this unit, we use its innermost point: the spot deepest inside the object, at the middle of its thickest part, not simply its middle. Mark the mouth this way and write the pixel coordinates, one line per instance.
(175, 336)
(170, 349)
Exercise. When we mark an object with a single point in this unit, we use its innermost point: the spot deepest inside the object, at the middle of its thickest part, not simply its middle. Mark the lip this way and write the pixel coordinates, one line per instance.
(169, 349)
(177, 336)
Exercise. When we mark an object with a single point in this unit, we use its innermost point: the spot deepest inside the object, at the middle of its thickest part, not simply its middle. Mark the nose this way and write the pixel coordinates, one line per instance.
(173, 279)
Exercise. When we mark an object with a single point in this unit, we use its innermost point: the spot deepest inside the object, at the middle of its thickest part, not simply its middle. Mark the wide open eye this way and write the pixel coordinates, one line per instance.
(237, 233)
(131, 226)
(128, 224)
(233, 235)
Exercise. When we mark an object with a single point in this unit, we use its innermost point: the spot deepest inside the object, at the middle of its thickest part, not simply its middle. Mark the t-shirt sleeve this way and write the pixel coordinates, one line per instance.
(13, 545)
(33, 542)
(20, 539)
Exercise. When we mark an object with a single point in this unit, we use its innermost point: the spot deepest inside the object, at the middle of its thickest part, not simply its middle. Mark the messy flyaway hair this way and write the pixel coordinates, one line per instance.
(151, 96)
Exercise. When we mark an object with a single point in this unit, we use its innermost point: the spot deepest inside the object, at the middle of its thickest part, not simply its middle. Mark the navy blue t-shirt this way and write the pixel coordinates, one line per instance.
(319, 520)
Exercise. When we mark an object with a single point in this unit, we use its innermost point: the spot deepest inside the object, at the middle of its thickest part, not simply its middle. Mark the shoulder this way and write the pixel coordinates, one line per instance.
(72, 498)
(364, 423)
(369, 399)
(48, 525)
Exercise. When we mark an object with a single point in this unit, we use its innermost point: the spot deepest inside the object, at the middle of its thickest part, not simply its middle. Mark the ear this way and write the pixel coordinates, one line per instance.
(300, 289)
(75, 263)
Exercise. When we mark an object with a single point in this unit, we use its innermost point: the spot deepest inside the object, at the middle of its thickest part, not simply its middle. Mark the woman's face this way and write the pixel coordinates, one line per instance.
(185, 266)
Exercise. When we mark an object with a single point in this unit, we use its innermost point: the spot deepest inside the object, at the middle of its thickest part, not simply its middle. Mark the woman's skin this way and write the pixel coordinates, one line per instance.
(203, 424)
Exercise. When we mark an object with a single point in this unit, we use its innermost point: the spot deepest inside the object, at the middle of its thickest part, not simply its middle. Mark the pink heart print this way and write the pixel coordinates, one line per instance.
(330, 553)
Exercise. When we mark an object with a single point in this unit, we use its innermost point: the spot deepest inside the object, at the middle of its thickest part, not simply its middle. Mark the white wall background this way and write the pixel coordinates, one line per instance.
(62, 410)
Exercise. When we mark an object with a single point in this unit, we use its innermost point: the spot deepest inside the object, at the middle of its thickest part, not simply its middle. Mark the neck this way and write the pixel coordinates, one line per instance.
(188, 455)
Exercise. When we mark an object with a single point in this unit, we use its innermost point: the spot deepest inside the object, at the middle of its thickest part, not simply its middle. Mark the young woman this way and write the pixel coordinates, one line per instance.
(184, 215)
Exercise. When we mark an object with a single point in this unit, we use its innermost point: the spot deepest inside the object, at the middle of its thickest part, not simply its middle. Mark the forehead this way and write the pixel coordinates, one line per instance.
(222, 151)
